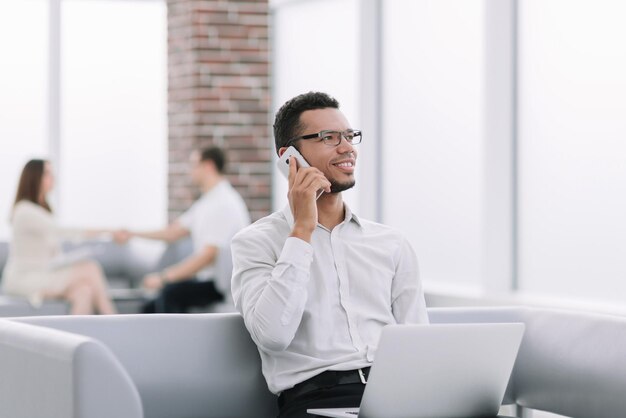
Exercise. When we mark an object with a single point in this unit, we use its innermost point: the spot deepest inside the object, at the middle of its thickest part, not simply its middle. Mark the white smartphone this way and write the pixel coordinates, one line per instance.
(283, 163)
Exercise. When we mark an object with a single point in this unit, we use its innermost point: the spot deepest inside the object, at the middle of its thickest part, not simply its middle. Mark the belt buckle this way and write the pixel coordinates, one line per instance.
(362, 376)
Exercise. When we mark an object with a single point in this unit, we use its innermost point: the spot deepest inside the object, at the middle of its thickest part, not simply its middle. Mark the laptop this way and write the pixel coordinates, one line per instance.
(444, 370)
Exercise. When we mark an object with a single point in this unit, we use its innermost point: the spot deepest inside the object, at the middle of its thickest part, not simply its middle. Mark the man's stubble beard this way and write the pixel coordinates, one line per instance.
(336, 187)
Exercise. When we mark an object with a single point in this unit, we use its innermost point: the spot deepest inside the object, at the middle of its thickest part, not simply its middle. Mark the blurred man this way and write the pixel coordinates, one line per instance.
(211, 222)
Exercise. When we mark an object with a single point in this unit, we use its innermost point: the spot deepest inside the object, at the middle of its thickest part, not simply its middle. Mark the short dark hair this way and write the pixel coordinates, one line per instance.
(287, 124)
(216, 155)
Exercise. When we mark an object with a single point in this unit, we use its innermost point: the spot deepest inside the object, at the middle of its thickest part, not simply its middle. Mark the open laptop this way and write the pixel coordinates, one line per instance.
(446, 370)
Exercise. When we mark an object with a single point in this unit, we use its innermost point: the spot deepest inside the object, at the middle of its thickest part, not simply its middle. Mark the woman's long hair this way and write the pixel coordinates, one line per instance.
(29, 187)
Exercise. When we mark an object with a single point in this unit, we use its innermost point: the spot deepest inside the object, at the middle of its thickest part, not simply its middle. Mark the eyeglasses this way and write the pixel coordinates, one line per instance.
(333, 138)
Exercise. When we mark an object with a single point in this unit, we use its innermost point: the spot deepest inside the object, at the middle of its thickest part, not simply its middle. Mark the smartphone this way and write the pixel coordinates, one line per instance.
(283, 163)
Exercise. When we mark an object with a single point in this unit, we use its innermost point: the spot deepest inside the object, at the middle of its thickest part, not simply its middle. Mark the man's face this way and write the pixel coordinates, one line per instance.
(336, 162)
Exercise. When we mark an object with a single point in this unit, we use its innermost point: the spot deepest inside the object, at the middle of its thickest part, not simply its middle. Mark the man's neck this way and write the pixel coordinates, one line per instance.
(209, 183)
(330, 210)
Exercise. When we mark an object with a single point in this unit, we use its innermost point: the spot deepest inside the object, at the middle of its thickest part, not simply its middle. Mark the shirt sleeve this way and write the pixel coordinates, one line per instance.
(270, 293)
(408, 303)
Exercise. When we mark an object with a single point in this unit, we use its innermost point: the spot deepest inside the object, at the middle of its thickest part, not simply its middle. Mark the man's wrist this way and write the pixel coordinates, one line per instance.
(302, 233)
(164, 277)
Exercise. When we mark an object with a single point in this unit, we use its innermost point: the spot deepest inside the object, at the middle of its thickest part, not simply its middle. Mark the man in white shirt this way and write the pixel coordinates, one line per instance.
(315, 283)
(212, 221)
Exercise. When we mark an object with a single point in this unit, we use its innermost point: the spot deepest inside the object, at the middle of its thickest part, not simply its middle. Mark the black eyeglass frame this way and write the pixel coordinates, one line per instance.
(356, 135)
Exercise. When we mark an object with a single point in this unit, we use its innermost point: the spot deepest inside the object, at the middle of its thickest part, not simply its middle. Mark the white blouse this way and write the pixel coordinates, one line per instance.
(34, 250)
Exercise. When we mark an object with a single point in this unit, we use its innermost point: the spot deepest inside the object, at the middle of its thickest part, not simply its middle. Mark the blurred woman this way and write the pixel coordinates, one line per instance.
(35, 267)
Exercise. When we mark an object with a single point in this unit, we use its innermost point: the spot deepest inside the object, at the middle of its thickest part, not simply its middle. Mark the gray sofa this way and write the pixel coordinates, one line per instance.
(123, 265)
(131, 366)
(205, 365)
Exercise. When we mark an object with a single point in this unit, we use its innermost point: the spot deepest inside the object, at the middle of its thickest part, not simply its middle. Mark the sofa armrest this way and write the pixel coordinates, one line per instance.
(51, 373)
(191, 365)
(572, 364)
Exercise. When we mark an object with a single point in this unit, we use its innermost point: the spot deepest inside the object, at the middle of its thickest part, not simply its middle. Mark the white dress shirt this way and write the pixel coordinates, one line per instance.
(322, 306)
(213, 220)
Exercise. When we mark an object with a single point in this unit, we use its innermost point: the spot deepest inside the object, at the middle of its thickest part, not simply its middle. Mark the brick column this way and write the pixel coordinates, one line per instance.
(218, 94)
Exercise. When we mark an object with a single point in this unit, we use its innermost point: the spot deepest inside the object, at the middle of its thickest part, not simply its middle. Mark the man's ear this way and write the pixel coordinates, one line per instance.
(281, 151)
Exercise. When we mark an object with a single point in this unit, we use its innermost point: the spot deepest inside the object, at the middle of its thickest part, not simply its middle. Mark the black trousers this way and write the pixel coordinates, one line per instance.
(326, 390)
(180, 296)
(321, 392)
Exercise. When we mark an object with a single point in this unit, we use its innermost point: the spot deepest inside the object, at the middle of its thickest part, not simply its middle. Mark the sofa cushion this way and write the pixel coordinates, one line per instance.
(52, 374)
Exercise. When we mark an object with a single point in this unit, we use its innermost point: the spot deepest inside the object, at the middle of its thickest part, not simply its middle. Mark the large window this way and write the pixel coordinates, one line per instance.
(113, 162)
(572, 145)
(23, 94)
(110, 151)
(501, 134)
(431, 133)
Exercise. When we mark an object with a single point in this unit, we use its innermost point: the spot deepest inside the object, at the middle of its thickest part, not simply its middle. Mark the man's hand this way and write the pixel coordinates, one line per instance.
(121, 236)
(304, 184)
(153, 281)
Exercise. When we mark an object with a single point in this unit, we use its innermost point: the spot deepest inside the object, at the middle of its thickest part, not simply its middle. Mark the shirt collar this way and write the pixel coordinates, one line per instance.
(349, 216)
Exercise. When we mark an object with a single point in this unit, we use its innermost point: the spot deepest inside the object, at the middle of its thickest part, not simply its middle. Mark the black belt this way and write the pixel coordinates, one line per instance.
(327, 379)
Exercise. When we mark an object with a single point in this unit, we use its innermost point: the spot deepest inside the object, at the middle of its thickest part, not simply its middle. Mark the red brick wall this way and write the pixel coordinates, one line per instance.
(218, 94)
